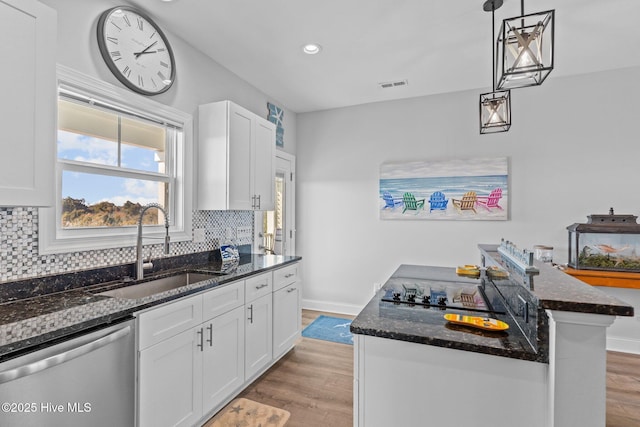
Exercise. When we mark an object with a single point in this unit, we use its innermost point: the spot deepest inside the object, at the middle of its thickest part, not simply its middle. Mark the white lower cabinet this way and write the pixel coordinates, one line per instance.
(184, 377)
(223, 364)
(258, 324)
(170, 382)
(198, 352)
(258, 349)
(287, 309)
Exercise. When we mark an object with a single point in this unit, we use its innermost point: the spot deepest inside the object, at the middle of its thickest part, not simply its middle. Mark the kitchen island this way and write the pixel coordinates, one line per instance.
(412, 367)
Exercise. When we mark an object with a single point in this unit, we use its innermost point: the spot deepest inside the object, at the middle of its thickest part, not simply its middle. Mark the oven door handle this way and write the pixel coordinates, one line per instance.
(65, 356)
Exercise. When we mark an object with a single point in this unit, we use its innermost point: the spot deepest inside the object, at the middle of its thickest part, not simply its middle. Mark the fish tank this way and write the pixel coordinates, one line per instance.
(607, 242)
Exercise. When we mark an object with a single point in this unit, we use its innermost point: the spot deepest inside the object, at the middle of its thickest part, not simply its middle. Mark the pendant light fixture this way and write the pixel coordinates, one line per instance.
(495, 107)
(525, 49)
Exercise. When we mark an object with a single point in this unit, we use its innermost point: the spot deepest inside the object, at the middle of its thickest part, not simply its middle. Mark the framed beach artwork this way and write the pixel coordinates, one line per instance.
(457, 189)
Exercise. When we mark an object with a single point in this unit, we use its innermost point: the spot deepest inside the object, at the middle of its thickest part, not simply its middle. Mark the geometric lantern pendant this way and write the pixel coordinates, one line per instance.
(525, 50)
(495, 112)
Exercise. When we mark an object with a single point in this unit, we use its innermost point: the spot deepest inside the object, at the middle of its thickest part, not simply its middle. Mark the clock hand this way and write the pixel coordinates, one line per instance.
(144, 53)
(137, 54)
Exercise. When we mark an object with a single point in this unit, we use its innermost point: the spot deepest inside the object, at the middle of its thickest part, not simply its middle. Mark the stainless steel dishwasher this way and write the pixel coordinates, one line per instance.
(88, 380)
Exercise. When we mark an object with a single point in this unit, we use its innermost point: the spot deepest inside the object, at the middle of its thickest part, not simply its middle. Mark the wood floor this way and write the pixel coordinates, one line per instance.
(623, 390)
(314, 382)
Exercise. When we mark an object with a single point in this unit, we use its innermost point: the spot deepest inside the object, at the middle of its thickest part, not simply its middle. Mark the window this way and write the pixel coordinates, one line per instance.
(116, 153)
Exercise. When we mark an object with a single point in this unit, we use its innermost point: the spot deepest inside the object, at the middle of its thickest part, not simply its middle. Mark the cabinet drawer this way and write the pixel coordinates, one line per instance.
(164, 322)
(285, 276)
(219, 301)
(257, 286)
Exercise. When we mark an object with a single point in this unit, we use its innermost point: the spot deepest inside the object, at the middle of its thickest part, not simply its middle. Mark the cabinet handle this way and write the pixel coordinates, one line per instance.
(286, 276)
(251, 315)
(210, 340)
(291, 290)
(201, 345)
(259, 203)
(264, 285)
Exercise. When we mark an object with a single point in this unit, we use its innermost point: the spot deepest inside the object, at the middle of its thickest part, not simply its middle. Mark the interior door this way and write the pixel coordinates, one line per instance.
(276, 228)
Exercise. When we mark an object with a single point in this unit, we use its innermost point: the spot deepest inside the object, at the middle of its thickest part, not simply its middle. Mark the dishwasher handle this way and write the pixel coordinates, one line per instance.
(57, 359)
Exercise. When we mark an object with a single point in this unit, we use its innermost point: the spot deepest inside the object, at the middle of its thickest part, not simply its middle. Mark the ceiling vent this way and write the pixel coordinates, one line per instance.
(387, 85)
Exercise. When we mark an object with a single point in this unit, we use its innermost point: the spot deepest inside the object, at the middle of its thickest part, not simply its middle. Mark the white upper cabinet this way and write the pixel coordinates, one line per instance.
(28, 106)
(236, 159)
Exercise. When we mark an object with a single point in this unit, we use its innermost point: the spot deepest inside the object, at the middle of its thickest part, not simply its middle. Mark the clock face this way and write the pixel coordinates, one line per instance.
(136, 51)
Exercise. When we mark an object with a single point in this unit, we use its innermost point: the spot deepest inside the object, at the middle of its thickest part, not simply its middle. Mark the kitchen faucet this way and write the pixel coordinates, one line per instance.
(140, 264)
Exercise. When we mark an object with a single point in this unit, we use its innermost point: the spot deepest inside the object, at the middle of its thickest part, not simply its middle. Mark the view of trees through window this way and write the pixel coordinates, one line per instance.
(76, 213)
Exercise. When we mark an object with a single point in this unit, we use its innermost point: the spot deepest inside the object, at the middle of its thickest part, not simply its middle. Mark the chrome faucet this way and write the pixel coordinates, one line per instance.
(140, 264)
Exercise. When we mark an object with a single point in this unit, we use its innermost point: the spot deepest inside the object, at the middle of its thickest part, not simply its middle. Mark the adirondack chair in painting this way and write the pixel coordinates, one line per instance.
(390, 201)
(467, 203)
(438, 202)
(411, 204)
(492, 200)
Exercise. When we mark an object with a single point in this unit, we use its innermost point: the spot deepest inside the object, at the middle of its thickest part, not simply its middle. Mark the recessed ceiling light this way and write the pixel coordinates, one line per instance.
(311, 48)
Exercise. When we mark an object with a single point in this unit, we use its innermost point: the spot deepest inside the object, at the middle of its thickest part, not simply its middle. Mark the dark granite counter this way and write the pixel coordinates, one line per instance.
(38, 311)
(521, 306)
(427, 325)
(554, 290)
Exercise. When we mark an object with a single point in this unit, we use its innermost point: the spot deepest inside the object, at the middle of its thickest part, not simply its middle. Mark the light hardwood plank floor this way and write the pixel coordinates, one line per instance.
(314, 382)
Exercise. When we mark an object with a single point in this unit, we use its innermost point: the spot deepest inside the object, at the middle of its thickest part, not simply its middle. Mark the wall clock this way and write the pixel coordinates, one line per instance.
(136, 50)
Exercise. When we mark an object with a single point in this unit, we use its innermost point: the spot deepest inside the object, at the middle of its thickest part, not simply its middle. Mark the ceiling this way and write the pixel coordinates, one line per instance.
(437, 46)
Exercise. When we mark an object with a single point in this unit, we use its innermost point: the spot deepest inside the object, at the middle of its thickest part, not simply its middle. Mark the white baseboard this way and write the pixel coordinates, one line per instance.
(623, 345)
(331, 307)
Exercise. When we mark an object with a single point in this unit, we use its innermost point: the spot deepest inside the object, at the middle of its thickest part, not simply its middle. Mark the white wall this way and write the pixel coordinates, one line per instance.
(573, 151)
(199, 79)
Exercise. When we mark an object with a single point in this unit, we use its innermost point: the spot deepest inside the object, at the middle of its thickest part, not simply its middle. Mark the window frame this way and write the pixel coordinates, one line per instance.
(53, 238)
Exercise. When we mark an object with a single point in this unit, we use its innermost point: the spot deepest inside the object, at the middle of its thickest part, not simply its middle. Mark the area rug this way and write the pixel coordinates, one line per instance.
(329, 328)
(247, 413)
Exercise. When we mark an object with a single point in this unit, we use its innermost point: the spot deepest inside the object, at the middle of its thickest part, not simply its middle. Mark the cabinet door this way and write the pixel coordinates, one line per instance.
(27, 110)
(158, 324)
(240, 168)
(285, 276)
(258, 286)
(258, 338)
(170, 381)
(222, 299)
(264, 164)
(223, 358)
(286, 318)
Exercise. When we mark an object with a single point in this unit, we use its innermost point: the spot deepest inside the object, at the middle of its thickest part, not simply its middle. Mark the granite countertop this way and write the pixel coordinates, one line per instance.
(427, 325)
(33, 313)
(555, 290)
(552, 290)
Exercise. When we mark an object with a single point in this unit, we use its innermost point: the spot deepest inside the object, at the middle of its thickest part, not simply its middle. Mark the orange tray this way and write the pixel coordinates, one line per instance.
(486, 323)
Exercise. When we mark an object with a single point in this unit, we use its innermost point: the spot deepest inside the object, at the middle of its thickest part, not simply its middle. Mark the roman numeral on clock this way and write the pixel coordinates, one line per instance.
(126, 71)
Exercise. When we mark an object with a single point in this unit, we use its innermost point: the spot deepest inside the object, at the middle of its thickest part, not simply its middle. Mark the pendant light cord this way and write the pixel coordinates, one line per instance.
(493, 45)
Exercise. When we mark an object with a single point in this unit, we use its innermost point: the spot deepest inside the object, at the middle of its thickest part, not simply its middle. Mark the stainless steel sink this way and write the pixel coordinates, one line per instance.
(156, 286)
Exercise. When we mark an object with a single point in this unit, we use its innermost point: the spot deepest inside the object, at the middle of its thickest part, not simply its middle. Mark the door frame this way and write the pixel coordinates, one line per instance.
(290, 208)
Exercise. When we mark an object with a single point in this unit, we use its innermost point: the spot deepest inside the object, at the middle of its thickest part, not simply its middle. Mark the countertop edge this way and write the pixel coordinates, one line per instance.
(108, 311)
